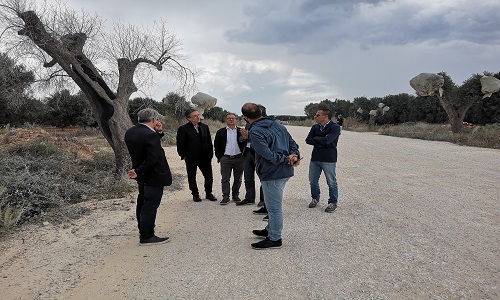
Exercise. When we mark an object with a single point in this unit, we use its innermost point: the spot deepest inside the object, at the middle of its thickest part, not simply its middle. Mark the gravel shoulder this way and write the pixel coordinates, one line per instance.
(416, 220)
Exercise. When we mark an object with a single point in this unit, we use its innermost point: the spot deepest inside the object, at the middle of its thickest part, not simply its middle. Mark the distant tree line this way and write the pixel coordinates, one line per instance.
(18, 106)
(411, 108)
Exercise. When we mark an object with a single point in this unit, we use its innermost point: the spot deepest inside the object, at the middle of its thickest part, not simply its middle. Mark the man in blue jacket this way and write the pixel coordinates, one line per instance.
(276, 153)
(324, 137)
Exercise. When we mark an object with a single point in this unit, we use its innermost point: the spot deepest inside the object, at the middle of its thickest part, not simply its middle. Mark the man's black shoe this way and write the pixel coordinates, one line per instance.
(260, 211)
(261, 203)
(267, 244)
(331, 207)
(266, 218)
(262, 232)
(237, 199)
(224, 201)
(245, 201)
(211, 197)
(196, 198)
(153, 241)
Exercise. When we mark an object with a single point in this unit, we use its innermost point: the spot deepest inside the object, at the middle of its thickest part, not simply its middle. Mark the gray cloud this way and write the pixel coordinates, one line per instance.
(288, 53)
(310, 26)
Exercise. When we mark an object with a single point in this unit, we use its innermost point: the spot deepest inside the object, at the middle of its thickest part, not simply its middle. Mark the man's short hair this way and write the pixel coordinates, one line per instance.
(262, 109)
(231, 114)
(251, 111)
(327, 112)
(189, 112)
(147, 115)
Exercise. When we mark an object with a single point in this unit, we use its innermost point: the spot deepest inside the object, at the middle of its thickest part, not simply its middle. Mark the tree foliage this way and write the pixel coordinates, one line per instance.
(337, 107)
(176, 105)
(15, 82)
(69, 110)
(216, 113)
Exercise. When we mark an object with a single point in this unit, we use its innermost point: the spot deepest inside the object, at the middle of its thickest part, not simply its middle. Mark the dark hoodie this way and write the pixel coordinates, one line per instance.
(272, 144)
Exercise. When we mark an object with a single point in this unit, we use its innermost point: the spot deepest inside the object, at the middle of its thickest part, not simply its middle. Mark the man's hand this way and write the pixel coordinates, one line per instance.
(244, 133)
(131, 174)
(158, 126)
(294, 160)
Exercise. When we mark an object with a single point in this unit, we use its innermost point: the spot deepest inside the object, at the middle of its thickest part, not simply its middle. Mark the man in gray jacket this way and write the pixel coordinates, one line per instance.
(276, 153)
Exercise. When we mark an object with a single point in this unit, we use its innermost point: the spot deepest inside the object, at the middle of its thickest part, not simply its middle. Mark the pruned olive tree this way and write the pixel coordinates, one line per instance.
(108, 66)
(456, 100)
(443, 87)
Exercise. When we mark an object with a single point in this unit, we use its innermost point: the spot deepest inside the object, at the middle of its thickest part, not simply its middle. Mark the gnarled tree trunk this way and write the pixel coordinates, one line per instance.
(455, 115)
(110, 109)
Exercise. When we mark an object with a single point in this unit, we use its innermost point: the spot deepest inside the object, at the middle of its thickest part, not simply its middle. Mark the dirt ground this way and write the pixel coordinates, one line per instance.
(416, 220)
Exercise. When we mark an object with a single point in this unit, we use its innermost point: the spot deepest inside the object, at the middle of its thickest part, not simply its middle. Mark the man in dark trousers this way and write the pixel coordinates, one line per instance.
(194, 146)
(229, 145)
(150, 169)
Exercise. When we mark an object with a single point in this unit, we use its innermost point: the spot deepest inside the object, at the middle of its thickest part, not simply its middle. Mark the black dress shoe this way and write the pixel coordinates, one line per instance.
(267, 244)
(196, 198)
(261, 211)
(153, 241)
(262, 233)
(245, 201)
(211, 197)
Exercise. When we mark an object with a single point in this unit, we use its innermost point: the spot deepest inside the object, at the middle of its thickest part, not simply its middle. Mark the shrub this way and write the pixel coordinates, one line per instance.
(9, 216)
(356, 124)
(39, 183)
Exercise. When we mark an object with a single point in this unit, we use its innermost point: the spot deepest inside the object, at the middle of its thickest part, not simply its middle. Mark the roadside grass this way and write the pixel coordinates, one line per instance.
(487, 136)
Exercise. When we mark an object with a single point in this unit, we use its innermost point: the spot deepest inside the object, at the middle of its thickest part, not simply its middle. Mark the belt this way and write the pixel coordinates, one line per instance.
(233, 156)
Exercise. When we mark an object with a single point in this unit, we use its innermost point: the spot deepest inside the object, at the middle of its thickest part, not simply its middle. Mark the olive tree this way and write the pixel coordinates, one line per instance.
(455, 100)
(108, 66)
(14, 87)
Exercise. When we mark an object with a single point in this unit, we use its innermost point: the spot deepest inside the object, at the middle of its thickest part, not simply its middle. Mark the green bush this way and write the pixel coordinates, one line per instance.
(9, 216)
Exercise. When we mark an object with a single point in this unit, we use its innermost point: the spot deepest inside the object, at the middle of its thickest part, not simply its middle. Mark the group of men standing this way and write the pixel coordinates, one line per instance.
(264, 147)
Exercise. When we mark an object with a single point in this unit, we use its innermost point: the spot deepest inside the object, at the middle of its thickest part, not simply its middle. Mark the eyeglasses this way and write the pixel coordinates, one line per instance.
(230, 118)
(194, 116)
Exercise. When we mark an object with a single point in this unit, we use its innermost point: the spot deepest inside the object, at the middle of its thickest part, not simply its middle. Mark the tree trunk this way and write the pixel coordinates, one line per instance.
(109, 108)
(371, 122)
(455, 115)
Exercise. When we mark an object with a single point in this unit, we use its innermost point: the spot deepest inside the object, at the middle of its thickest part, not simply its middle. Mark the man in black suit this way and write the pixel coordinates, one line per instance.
(194, 145)
(229, 145)
(150, 169)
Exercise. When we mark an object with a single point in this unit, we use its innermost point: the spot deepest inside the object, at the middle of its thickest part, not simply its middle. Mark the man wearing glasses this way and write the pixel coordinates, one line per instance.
(324, 137)
(229, 145)
(194, 146)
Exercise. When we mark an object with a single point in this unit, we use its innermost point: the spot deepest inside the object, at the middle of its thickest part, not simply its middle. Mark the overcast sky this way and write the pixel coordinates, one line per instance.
(286, 54)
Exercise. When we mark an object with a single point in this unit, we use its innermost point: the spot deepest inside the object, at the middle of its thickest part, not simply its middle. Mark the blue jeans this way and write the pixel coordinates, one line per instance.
(315, 168)
(273, 198)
